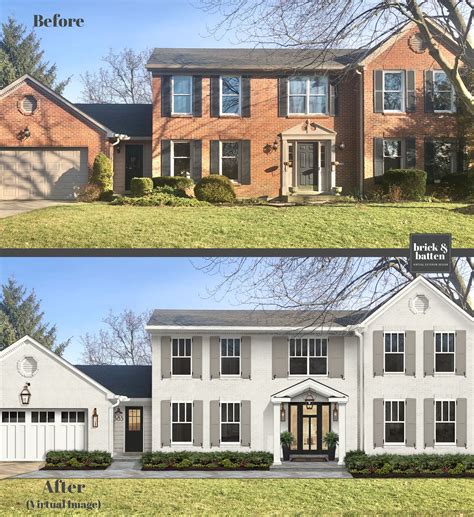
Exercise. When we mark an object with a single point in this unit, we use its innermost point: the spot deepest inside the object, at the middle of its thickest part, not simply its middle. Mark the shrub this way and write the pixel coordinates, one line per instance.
(459, 186)
(412, 182)
(102, 172)
(215, 189)
(141, 186)
(107, 195)
(89, 193)
(158, 199)
(78, 459)
(176, 182)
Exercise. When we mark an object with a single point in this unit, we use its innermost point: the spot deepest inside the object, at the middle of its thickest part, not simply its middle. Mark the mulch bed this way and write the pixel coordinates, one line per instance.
(205, 470)
(55, 467)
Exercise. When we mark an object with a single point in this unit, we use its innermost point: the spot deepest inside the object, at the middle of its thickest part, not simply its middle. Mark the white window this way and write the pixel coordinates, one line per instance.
(182, 94)
(443, 93)
(308, 95)
(230, 422)
(392, 155)
(444, 351)
(308, 356)
(182, 422)
(230, 356)
(394, 352)
(445, 421)
(393, 91)
(394, 421)
(230, 102)
(181, 356)
(181, 159)
(230, 160)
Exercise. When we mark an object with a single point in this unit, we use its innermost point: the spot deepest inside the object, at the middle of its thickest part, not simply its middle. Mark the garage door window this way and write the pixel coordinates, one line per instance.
(73, 417)
(41, 417)
(13, 417)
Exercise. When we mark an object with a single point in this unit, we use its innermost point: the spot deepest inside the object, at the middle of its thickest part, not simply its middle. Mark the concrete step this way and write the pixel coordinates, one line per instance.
(309, 465)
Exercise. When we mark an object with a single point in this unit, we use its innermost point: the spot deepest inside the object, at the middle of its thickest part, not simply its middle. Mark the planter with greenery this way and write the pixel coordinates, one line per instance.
(331, 439)
(77, 460)
(286, 439)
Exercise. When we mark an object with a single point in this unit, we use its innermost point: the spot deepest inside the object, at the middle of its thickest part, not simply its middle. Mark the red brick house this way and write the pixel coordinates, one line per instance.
(275, 121)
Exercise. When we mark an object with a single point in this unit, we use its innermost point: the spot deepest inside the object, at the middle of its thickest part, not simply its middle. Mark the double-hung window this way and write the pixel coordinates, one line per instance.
(443, 93)
(181, 356)
(182, 422)
(392, 154)
(394, 351)
(230, 102)
(444, 351)
(230, 356)
(230, 160)
(444, 157)
(182, 94)
(181, 159)
(393, 94)
(394, 421)
(445, 421)
(308, 95)
(230, 422)
(308, 356)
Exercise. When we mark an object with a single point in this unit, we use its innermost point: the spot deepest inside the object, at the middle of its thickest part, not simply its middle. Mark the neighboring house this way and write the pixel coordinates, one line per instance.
(399, 379)
(274, 121)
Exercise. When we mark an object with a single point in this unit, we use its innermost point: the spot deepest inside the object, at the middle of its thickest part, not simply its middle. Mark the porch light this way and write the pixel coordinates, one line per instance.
(335, 413)
(24, 134)
(118, 415)
(95, 418)
(309, 401)
(275, 145)
(342, 146)
(282, 413)
(25, 395)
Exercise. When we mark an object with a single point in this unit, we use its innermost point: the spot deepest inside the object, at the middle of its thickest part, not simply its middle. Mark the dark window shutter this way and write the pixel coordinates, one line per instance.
(429, 91)
(165, 157)
(196, 166)
(245, 93)
(333, 97)
(245, 162)
(215, 92)
(283, 96)
(461, 155)
(214, 157)
(197, 96)
(410, 91)
(429, 159)
(378, 157)
(166, 96)
(378, 91)
(410, 152)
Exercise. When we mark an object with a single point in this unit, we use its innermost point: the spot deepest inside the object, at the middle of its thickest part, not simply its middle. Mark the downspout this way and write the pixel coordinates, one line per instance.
(119, 399)
(361, 388)
(360, 73)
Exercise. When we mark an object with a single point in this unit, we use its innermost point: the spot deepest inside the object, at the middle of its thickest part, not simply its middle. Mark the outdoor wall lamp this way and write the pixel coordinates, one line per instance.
(95, 418)
(342, 146)
(25, 394)
(118, 415)
(275, 145)
(309, 401)
(282, 413)
(24, 134)
(335, 413)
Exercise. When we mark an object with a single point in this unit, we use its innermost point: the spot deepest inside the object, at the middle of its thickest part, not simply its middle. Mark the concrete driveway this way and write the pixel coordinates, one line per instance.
(10, 469)
(8, 208)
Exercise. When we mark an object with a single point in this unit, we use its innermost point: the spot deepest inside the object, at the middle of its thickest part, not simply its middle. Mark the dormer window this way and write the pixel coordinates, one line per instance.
(308, 95)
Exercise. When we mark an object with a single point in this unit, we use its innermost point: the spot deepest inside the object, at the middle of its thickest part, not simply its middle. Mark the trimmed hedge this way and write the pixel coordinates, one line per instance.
(412, 182)
(141, 186)
(360, 464)
(80, 460)
(459, 186)
(158, 199)
(215, 189)
(102, 172)
(176, 182)
(224, 460)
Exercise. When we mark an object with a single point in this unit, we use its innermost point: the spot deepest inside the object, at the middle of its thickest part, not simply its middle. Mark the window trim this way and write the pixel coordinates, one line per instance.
(453, 94)
(173, 113)
(230, 375)
(395, 422)
(445, 421)
(452, 353)
(404, 351)
(221, 113)
(403, 100)
(182, 375)
(239, 159)
(172, 142)
(307, 95)
(192, 421)
(308, 356)
(239, 402)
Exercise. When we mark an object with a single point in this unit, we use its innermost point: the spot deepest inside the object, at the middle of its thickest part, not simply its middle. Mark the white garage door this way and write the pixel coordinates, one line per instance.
(29, 435)
(50, 173)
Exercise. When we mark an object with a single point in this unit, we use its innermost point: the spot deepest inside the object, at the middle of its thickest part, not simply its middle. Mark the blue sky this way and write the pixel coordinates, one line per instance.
(77, 293)
(116, 24)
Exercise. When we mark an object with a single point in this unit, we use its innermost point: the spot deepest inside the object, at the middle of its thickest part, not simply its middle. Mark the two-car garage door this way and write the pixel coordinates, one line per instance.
(42, 173)
(29, 434)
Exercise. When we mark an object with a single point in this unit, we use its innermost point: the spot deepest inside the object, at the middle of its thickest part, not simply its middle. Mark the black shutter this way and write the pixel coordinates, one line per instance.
(378, 157)
(197, 96)
(429, 159)
(461, 155)
(429, 91)
(410, 152)
(196, 166)
(410, 91)
(245, 93)
(333, 96)
(245, 162)
(378, 91)
(166, 96)
(214, 157)
(165, 157)
(283, 96)
(215, 92)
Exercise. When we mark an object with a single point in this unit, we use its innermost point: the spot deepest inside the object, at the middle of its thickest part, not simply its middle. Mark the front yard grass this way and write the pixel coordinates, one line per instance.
(253, 497)
(326, 226)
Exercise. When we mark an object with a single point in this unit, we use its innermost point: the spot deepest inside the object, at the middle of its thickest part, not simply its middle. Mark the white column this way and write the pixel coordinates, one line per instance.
(342, 432)
(276, 434)
(333, 167)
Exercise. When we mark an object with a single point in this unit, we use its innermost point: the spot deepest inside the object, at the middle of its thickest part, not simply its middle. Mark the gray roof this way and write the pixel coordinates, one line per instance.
(130, 380)
(254, 318)
(246, 59)
(128, 119)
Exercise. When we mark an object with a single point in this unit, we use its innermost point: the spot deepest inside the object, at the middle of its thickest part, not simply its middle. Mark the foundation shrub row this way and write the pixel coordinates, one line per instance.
(77, 460)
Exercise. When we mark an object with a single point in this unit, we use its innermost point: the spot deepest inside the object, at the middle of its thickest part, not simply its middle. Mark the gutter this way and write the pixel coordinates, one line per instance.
(229, 329)
(119, 138)
(361, 73)
(361, 388)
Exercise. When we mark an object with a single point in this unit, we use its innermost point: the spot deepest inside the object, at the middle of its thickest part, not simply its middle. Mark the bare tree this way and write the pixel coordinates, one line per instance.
(328, 24)
(124, 79)
(124, 340)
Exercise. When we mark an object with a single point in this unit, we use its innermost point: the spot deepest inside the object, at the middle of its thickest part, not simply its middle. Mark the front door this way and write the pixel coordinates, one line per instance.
(133, 163)
(308, 427)
(307, 165)
(134, 429)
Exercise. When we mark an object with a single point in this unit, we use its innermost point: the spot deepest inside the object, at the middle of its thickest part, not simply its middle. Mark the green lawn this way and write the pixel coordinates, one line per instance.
(255, 497)
(326, 226)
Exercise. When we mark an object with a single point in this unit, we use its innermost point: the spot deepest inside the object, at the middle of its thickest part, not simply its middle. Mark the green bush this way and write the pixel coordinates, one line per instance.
(412, 182)
(215, 189)
(78, 459)
(176, 182)
(107, 195)
(102, 172)
(459, 186)
(158, 199)
(141, 186)
(89, 193)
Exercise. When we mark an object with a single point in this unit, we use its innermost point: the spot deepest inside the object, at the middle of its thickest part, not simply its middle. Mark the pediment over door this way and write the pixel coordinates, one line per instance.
(307, 128)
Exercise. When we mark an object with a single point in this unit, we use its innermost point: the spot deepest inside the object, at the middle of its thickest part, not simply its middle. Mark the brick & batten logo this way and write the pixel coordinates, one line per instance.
(430, 253)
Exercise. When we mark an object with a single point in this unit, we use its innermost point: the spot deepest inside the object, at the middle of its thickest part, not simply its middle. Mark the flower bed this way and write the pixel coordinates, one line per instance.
(77, 460)
(226, 460)
(360, 464)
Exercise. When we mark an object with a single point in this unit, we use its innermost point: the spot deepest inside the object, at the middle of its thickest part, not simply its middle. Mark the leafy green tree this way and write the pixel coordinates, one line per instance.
(21, 314)
(20, 53)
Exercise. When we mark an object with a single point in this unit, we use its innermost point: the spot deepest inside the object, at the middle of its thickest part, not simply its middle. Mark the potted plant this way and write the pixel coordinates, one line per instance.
(286, 439)
(331, 439)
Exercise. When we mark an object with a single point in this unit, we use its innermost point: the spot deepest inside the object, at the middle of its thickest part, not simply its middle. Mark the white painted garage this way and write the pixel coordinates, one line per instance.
(42, 173)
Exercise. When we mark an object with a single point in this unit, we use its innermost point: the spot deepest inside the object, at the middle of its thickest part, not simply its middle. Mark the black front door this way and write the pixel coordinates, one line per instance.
(307, 165)
(308, 427)
(134, 429)
(133, 163)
